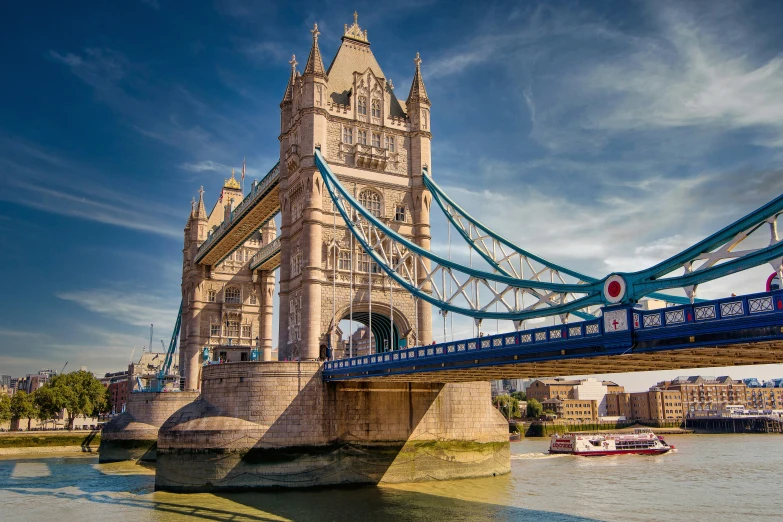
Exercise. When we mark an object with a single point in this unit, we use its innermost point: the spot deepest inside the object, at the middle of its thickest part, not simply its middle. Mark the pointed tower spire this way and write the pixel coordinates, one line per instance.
(288, 97)
(418, 92)
(315, 65)
(201, 212)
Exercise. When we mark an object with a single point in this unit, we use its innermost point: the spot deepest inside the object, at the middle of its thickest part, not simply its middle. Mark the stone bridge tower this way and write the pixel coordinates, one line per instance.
(226, 308)
(377, 145)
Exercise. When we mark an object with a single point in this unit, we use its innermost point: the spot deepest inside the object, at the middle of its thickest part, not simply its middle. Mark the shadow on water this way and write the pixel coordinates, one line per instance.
(128, 492)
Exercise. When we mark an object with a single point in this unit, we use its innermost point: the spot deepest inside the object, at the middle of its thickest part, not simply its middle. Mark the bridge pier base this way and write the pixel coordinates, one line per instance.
(277, 424)
(133, 434)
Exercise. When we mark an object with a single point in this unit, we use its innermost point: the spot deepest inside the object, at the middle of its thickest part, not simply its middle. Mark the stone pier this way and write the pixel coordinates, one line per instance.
(133, 435)
(277, 424)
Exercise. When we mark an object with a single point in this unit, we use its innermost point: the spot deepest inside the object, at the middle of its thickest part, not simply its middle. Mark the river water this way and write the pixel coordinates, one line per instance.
(710, 477)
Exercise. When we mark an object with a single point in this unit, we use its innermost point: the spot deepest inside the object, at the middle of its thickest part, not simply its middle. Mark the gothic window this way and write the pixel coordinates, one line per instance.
(246, 331)
(425, 117)
(294, 318)
(366, 264)
(371, 201)
(232, 295)
(399, 213)
(214, 330)
(376, 108)
(362, 108)
(348, 135)
(253, 299)
(344, 260)
(232, 328)
(212, 296)
(361, 137)
(390, 143)
(376, 140)
(296, 263)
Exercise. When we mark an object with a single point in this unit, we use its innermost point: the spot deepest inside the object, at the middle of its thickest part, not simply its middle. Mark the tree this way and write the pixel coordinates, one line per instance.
(5, 407)
(520, 396)
(80, 393)
(48, 403)
(508, 406)
(534, 408)
(23, 407)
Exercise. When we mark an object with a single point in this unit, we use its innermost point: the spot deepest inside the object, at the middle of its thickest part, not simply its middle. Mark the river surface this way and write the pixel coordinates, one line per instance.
(710, 477)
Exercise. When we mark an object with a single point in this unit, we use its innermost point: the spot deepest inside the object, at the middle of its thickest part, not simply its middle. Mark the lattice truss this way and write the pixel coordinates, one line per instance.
(751, 241)
(452, 287)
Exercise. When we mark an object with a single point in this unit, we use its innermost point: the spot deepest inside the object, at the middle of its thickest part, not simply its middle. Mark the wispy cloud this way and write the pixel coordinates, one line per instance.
(137, 309)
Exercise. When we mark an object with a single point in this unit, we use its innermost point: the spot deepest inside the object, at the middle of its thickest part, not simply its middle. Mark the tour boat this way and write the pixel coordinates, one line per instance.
(642, 441)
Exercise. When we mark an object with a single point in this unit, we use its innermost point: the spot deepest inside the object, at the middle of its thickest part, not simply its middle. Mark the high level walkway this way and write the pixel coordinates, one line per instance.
(258, 207)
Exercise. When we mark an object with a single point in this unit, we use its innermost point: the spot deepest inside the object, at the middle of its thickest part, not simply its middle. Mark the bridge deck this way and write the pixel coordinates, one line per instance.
(258, 207)
(728, 332)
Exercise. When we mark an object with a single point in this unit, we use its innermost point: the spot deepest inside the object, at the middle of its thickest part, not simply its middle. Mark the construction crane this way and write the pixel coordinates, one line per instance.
(64, 365)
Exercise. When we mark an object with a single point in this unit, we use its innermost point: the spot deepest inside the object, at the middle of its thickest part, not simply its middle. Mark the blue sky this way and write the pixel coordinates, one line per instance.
(602, 135)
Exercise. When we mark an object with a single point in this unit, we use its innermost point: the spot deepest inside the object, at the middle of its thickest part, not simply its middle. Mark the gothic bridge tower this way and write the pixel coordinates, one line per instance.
(226, 308)
(377, 145)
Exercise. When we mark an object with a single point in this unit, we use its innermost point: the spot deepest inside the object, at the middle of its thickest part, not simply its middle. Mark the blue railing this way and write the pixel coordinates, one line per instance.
(257, 192)
(619, 327)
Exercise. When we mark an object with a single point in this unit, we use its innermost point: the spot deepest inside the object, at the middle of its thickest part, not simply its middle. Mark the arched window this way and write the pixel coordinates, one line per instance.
(376, 108)
(212, 296)
(232, 295)
(371, 201)
(362, 106)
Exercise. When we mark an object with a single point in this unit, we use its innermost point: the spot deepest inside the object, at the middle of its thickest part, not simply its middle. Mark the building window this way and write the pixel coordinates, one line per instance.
(348, 135)
(376, 140)
(253, 299)
(376, 108)
(366, 264)
(232, 295)
(232, 329)
(362, 107)
(361, 137)
(212, 296)
(399, 213)
(371, 201)
(214, 330)
(425, 119)
(344, 260)
(390, 143)
(246, 331)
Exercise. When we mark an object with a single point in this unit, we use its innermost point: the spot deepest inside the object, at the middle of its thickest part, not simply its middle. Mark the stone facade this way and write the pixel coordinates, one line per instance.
(377, 146)
(278, 424)
(133, 434)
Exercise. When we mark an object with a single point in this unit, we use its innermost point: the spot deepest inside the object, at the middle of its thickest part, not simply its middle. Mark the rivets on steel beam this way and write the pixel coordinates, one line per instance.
(692, 339)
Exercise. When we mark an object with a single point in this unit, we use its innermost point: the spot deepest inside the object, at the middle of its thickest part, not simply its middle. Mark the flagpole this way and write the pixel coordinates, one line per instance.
(243, 177)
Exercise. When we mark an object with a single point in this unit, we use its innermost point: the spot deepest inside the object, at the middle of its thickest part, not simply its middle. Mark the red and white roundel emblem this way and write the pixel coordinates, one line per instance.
(614, 289)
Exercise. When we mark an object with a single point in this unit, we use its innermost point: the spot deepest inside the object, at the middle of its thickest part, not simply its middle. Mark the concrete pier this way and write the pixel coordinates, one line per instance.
(277, 424)
(133, 435)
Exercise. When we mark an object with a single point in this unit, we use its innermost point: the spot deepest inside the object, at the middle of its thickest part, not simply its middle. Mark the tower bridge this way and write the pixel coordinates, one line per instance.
(354, 189)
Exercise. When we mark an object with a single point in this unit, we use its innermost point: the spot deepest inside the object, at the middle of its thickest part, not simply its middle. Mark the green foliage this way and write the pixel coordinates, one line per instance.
(80, 393)
(5, 407)
(534, 408)
(520, 396)
(508, 406)
(22, 406)
(48, 403)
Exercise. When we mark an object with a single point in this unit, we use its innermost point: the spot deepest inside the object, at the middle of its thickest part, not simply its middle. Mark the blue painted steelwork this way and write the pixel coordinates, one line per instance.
(623, 288)
(749, 318)
(256, 194)
(165, 370)
(502, 254)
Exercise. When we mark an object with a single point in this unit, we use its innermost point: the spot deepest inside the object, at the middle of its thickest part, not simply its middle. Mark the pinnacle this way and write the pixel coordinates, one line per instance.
(201, 211)
(418, 93)
(315, 65)
(289, 88)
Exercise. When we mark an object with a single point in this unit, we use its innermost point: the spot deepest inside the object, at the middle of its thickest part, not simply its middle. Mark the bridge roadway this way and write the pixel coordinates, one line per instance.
(258, 207)
(735, 331)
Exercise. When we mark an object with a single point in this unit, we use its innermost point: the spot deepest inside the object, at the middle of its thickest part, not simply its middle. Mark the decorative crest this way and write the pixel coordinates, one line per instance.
(389, 84)
(417, 60)
(354, 32)
(315, 32)
(232, 183)
(293, 63)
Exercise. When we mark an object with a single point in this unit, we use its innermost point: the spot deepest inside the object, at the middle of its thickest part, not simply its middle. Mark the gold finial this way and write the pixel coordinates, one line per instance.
(354, 32)
(417, 60)
(232, 183)
(315, 32)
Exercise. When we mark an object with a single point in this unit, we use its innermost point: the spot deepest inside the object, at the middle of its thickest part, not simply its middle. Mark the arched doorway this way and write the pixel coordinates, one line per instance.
(385, 333)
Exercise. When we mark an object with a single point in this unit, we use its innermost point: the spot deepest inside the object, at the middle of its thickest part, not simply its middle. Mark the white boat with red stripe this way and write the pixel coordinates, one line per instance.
(641, 442)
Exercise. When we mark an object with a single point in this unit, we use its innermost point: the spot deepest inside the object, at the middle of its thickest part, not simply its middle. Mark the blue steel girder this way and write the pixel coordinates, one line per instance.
(391, 252)
(506, 257)
(419, 271)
